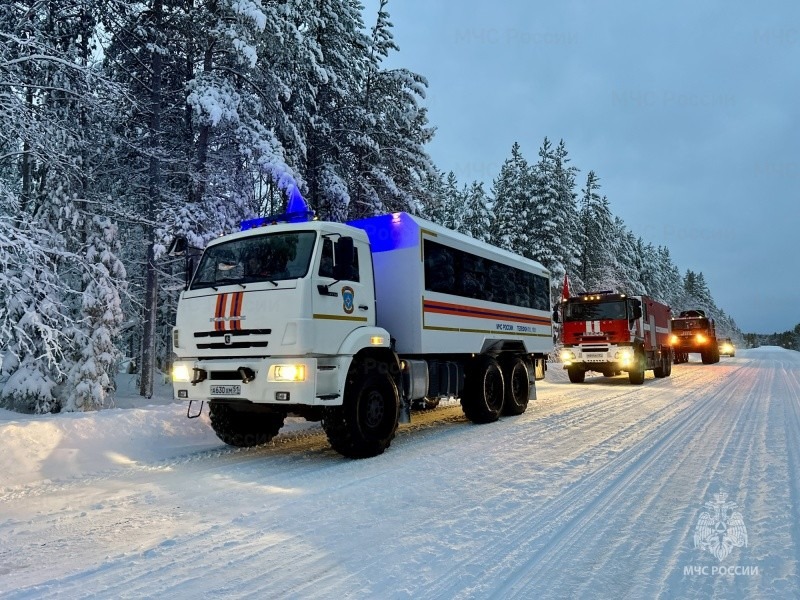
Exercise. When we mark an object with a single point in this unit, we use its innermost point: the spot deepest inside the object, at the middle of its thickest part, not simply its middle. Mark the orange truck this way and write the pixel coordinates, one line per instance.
(609, 333)
(693, 331)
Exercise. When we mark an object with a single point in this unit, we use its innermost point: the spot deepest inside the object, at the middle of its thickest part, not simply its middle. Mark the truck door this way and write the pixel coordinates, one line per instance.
(340, 306)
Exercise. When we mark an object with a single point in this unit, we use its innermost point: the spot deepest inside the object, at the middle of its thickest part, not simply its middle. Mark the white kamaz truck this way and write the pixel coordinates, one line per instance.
(354, 325)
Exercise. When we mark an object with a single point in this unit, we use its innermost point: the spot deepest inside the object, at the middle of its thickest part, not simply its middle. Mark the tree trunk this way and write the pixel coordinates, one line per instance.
(154, 176)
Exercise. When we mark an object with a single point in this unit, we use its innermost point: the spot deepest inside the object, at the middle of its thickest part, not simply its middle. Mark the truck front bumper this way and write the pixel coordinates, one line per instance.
(598, 355)
(277, 381)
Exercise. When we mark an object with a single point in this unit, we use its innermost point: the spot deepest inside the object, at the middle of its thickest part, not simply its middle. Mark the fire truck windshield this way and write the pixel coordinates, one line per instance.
(271, 257)
(595, 311)
(687, 324)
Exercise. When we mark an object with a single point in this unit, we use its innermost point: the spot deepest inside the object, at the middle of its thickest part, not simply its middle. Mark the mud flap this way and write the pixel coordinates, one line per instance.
(405, 411)
(189, 410)
(532, 390)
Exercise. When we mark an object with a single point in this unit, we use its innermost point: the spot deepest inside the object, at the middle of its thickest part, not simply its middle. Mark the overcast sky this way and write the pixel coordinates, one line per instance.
(687, 111)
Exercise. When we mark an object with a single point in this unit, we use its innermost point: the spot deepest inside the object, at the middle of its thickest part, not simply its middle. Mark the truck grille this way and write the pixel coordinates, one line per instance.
(233, 332)
(239, 344)
(232, 345)
(594, 348)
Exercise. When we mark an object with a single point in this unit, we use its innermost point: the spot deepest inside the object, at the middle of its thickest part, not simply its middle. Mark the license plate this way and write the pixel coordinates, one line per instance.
(226, 390)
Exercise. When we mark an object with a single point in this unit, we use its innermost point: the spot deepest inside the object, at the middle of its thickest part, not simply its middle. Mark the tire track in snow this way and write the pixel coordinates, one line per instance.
(572, 512)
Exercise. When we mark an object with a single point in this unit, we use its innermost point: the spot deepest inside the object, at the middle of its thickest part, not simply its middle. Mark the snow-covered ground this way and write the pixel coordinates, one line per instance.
(598, 490)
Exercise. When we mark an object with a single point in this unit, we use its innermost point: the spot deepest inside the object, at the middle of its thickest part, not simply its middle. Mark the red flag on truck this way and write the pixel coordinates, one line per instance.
(565, 290)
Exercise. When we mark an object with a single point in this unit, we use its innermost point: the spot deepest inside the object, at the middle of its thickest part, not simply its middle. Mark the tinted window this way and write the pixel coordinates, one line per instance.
(452, 271)
(326, 262)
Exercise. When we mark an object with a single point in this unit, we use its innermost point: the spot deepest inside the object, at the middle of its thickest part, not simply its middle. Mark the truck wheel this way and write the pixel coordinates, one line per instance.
(243, 428)
(707, 357)
(482, 396)
(366, 423)
(661, 370)
(576, 374)
(636, 375)
(669, 365)
(517, 386)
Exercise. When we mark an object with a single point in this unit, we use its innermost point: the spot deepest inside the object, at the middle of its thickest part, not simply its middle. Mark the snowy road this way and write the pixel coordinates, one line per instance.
(596, 491)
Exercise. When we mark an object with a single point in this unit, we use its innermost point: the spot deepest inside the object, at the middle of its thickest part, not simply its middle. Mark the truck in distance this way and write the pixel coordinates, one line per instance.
(354, 325)
(693, 331)
(609, 333)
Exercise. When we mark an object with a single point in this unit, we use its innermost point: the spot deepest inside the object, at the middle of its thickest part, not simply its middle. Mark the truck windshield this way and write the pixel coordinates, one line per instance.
(686, 324)
(271, 257)
(594, 311)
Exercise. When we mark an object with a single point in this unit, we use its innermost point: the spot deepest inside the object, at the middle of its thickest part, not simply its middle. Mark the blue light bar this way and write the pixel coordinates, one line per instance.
(297, 211)
(389, 232)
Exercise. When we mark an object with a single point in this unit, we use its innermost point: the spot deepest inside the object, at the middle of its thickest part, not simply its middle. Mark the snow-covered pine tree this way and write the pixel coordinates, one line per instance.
(512, 192)
(435, 205)
(90, 382)
(334, 133)
(598, 262)
(392, 164)
(62, 97)
(564, 181)
(553, 211)
(476, 218)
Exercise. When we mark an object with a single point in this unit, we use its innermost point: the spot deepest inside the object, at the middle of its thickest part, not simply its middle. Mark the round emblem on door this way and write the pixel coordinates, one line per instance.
(348, 298)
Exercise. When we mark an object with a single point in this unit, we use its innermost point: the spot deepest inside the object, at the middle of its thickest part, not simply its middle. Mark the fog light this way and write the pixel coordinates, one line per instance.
(282, 396)
(287, 373)
(183, 393)
(180, 373)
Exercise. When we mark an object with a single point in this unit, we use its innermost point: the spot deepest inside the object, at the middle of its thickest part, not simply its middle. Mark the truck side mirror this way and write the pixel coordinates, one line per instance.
(178, 246)
(555, 315)
(637, 310)
(344, 257)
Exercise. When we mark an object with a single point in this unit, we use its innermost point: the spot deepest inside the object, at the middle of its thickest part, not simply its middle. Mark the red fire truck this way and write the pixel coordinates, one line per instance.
(609, 333)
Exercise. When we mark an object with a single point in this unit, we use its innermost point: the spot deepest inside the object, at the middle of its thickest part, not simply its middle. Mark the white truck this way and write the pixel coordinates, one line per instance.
(354, 325)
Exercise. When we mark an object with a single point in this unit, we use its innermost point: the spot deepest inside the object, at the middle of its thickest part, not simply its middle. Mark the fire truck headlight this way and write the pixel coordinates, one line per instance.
(181, 374)
(624, 356)
(701, 339)
(287, 373)
(567, 356)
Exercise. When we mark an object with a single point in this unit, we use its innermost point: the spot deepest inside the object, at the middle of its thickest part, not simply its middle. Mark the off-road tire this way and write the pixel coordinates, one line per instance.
(707, 356)
(576, 374)
(366, 423)
(243, 428)
(484, 390)
(517, 386)
(636, 375)
(663, 368)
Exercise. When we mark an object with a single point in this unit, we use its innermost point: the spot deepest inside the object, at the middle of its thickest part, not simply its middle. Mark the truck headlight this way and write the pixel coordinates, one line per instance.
(567, 356)
(624, 356)
(180, 374)
(673, 339)
(287, 373)
(701, 339)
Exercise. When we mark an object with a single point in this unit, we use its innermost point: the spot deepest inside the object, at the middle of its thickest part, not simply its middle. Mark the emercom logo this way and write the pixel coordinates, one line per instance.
(721, 528)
